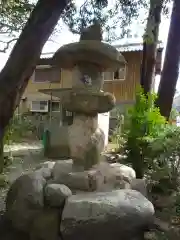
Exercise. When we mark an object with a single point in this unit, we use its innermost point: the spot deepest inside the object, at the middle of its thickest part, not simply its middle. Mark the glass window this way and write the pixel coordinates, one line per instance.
(49, 74)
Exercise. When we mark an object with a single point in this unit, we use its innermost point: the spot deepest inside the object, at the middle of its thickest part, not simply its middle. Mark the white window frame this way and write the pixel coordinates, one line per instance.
(117, 80)
(43, 67)
(39, 110)
(51, 106)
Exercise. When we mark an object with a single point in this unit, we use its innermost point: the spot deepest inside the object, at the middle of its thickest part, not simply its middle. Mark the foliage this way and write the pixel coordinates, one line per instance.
(3, 181)
(152, 145)
(164, 160)
(144, 123)
(115, 17)
(112, 16)
(117, 137)
(13, 16)
(19, 127)
(173, 114)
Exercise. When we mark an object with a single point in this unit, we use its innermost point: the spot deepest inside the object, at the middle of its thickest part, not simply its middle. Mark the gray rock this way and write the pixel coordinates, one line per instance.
(56, 194)
(47, 164)
(102, 177)
(123, 171)
(89, 180)
(46, 225)
(46, 169)
(25, 199)
(139, 185)
(120, 214)
(108, 157)
(101, 54)
(89, 103)
(60, 169)
(45, 172)
(122, 185)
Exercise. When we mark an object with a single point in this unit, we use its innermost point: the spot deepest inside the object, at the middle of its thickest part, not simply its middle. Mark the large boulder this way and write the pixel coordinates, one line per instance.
(56, 194)
(120, 214)
(61, 167)
(122, 171)
(140, 185)
(48, 164)
(25, 199)
(46, 225)
(89, 180)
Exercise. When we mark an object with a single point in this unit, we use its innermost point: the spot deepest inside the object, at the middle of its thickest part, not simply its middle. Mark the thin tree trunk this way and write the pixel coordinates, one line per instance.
(170, 72)
(15, 75)
(1, 150)
(150, 45)
(150, 41)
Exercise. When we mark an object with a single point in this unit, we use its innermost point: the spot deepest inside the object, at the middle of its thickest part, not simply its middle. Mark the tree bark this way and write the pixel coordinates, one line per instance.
(170, 72)
(150, 45)
(15, 75)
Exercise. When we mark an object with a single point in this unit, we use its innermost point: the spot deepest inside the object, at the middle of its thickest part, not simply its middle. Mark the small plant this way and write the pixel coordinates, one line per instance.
(3, 181)
(164, 160)
(117, 137)
(173, 115)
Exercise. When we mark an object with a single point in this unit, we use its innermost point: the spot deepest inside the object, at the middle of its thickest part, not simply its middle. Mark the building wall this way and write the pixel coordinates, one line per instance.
(32, 91)
(124, 91)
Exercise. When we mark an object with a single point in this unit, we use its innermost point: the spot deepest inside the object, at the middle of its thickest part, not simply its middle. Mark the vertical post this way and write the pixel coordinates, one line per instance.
(50, 113)
(60, 114)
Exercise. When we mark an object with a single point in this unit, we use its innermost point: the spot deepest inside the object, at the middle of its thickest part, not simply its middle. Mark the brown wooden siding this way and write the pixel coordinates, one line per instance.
(125, 90)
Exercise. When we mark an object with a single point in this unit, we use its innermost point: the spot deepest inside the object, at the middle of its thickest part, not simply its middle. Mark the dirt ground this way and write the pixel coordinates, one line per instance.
(29, 160)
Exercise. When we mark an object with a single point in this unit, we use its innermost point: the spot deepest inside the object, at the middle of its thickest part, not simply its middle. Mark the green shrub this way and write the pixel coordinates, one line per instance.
(18, 128)
(173, 115)
(3, 181)
(144, 124)
(164, 160)
(152, 147)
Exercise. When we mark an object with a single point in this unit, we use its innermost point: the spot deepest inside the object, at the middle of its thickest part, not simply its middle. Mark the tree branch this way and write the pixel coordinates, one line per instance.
(7, 44)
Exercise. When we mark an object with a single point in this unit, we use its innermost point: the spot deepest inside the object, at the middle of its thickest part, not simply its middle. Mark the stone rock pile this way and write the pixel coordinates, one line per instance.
(55, 201)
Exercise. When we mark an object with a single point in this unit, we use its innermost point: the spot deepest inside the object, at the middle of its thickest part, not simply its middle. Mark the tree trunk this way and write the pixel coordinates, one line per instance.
(150, 45)
(170, 72)
(1, 150)
(15, 75)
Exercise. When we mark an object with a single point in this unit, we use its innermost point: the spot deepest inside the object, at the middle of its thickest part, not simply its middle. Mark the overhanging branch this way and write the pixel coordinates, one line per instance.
(6, 44)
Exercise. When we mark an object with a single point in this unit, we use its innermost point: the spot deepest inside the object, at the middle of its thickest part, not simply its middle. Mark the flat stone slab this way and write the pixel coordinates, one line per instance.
(97, 52)
(89, 103)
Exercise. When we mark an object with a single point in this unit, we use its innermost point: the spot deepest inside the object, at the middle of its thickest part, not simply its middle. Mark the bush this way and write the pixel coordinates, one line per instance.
(164, 160)
(18, 128)
(144, 124)
(3, 181)
(151, 145)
